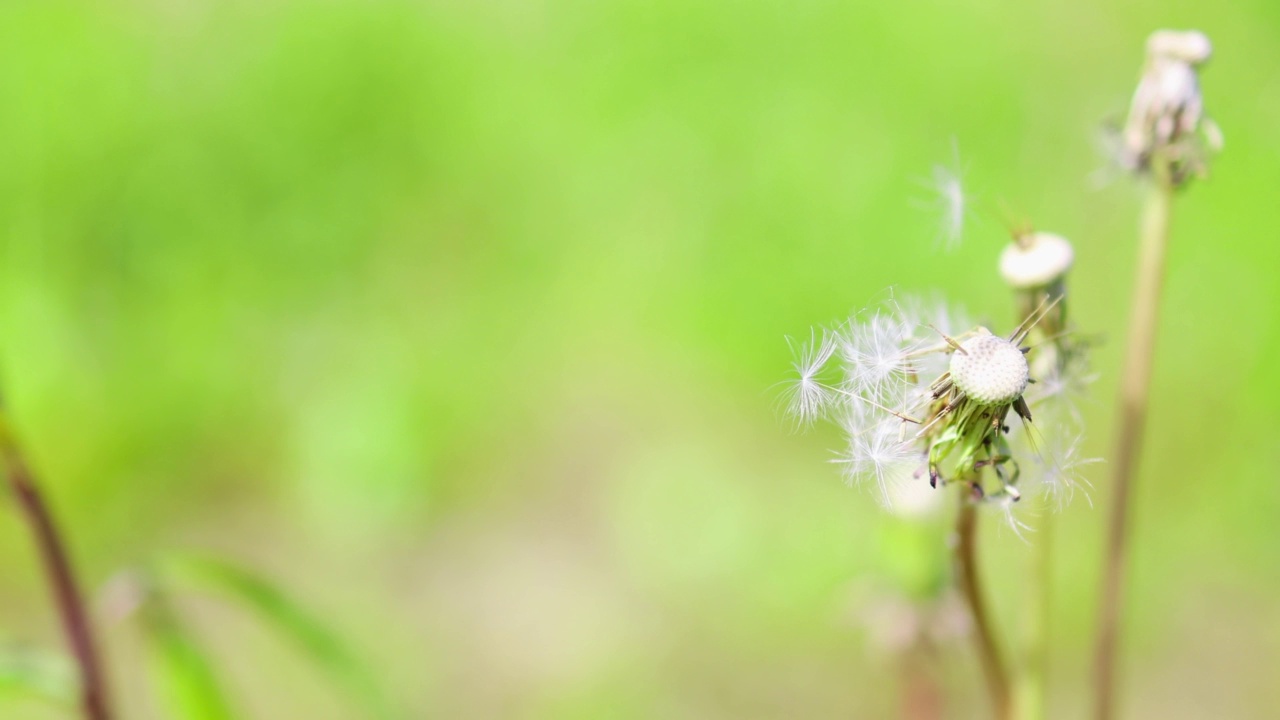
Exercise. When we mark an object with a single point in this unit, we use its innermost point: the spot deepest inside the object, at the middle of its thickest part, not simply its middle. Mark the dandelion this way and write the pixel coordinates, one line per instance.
(1168, 138)
(1166, 124)
(1035, 265)
(924, 400)
(916, 409)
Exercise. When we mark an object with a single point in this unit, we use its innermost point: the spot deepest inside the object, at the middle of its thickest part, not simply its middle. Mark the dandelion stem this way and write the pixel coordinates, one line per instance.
(53, 554)
(993, 667)
(1131, 416)
(1033, 680)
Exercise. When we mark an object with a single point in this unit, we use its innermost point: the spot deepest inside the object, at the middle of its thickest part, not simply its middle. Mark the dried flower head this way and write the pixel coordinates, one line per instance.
(916, 404)
(1035, 260)
(1167, 129)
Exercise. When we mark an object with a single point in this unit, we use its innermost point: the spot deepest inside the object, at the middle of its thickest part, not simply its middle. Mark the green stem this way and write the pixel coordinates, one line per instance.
(1131, 417)
(1032, 690)
(993, 667)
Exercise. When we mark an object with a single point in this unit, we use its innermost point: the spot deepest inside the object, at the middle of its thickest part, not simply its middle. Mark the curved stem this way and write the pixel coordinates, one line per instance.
(1131, 417)
(993, 667)
(57, 565)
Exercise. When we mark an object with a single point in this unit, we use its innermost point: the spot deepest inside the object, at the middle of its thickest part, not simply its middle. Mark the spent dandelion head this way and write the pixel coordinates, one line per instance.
(1167, 130)
(1035, 265)
(918, 404)
(1036, 260)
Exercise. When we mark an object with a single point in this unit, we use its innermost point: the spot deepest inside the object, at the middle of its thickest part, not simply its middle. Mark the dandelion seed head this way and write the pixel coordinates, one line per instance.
(989, 369)
(916, 405)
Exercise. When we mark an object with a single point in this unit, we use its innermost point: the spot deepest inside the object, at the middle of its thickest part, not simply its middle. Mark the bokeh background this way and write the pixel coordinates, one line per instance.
(460, 321)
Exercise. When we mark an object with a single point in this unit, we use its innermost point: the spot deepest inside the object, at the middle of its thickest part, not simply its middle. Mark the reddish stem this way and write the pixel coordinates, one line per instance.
(75, 619)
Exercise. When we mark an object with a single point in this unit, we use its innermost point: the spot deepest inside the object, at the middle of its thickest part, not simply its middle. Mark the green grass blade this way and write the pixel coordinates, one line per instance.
(287, 617)
(183, 674)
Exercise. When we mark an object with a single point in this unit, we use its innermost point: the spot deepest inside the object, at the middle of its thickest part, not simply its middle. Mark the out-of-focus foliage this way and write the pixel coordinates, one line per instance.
(26, 675)
(184, 676)
(460, 321)
(286, 616)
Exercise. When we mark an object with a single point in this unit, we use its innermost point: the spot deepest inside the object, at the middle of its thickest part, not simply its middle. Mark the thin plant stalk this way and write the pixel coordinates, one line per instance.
(1033, 678)
(1131, 417)
(993, 667)
(62, 580)
(1032, 686)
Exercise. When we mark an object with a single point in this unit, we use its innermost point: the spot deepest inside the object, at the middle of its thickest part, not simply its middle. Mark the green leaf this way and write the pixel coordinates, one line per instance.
(183, 673)
(280, 612)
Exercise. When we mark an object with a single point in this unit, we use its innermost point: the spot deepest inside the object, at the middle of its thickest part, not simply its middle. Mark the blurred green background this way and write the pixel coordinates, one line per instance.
(459, 321)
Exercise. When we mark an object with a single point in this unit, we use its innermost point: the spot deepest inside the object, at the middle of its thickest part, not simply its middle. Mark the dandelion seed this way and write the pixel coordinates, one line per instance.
(950, 200)
(880, 454)
(806, 397)
(875, 353)
(1063, 385)
(1061, 473)
(1010, 508)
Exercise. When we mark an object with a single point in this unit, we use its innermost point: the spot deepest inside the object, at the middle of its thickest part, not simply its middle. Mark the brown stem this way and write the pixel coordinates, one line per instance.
(71, 608)
(993, 667)
(1131, 417)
